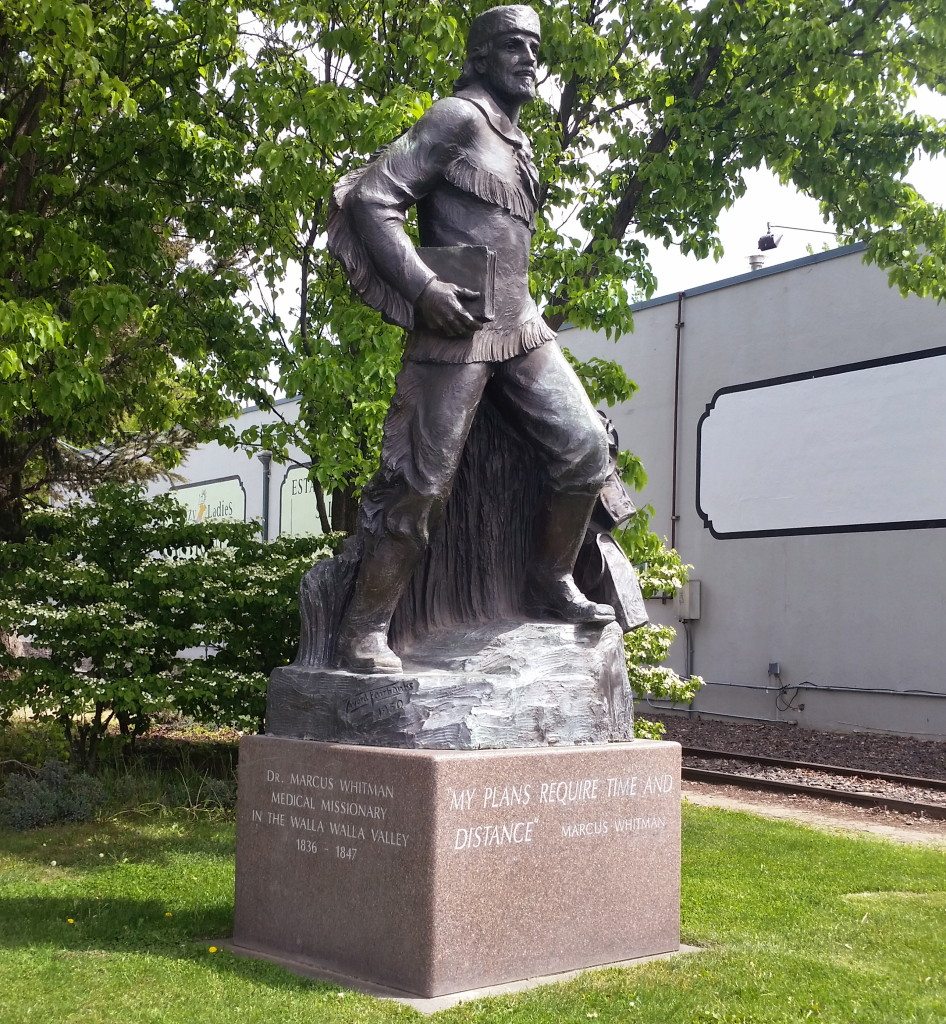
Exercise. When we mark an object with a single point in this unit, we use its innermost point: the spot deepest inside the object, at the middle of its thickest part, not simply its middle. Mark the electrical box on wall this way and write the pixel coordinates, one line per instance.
(688, 601)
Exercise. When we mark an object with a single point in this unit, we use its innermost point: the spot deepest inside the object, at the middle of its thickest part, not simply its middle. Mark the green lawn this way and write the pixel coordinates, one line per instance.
(796, 925)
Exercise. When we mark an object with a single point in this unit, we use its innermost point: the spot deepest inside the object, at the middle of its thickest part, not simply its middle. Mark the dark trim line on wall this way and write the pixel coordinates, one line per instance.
(244, 409)
(206, 483)
(918, 524)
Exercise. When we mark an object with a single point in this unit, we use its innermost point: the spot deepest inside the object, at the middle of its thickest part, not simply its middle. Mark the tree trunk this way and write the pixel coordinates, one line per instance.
(11, 501)
(344, 510)
(324, 520)
(11, 530)
(11, 523)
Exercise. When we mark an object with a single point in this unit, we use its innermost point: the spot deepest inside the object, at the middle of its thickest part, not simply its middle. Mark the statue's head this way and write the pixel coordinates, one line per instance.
(502, 52)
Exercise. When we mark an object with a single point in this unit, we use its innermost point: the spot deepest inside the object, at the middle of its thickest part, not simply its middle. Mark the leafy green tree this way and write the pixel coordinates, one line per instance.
(112, 593)
(122, 262)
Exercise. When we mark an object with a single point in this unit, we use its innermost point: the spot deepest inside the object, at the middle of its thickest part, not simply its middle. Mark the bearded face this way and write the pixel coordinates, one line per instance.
(510, 66)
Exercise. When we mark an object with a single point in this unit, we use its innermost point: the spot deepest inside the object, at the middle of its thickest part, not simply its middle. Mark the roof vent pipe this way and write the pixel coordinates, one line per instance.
(756, 261)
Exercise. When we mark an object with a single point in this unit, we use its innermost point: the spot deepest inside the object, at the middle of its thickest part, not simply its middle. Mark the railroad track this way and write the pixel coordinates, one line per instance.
(904, 793)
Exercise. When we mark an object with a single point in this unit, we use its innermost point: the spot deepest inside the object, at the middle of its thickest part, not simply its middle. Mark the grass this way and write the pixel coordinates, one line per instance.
(796, 925)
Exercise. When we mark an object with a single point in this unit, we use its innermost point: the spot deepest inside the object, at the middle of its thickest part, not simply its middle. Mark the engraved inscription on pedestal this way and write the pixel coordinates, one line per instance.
(337, 817)
(328, 815)
(562, 809)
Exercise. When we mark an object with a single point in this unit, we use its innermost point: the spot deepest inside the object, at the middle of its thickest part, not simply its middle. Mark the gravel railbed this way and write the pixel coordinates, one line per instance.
(878, 752)
(824, 780)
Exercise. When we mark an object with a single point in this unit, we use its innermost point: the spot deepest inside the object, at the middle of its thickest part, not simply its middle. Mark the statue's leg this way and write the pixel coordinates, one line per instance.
(541, 394)
(424, 434)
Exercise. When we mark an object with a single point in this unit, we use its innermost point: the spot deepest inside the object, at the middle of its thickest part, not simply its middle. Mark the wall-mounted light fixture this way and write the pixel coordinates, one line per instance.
(768, 241)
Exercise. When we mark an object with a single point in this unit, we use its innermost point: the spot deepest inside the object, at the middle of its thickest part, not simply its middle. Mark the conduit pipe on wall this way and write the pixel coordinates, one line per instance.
(863, 691)
(690, 711)
(674, 512)
(267, 460)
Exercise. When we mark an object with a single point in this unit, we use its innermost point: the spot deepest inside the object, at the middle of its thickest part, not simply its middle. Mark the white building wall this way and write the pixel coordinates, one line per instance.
(854, 611)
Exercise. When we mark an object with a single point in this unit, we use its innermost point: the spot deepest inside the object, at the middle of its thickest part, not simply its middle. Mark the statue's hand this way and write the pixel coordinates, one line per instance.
(440, 308)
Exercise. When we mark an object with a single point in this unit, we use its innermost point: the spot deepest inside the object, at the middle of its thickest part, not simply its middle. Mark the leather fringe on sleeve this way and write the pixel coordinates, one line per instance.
(347, 246)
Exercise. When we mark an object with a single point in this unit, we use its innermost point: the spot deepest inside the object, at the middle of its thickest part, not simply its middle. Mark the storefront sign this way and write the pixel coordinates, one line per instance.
(213, 501)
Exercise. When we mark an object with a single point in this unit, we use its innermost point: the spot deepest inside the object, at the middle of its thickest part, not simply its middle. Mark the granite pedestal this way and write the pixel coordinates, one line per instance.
(433, 872)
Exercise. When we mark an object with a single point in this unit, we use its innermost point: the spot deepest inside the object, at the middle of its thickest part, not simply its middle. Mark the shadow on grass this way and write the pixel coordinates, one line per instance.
(105, 926)
(141, 837)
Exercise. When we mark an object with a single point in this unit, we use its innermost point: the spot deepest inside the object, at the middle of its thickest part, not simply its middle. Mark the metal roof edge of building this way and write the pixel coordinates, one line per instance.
(749, 275)
(244, 410)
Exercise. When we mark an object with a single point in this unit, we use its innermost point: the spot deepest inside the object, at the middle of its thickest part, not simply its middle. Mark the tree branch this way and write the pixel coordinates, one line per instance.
(660, 140)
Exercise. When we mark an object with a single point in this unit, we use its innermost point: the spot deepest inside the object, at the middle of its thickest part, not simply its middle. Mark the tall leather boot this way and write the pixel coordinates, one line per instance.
(362, 643)
(550, 589)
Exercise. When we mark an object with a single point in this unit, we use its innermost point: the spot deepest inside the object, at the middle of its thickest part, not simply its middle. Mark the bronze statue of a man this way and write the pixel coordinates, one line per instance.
(468, 169)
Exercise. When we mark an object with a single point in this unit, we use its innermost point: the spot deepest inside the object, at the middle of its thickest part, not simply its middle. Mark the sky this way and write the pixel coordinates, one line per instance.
(767, 200)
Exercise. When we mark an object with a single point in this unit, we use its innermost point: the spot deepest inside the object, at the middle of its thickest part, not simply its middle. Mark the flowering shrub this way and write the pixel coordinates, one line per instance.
(662, 572)
(113, 592)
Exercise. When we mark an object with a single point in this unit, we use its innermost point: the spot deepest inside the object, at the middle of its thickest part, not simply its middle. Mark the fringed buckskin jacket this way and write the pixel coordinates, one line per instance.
(469, 171)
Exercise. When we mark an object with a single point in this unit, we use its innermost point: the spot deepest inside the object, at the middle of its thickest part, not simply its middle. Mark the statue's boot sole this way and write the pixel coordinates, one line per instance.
(389, 664)
(573, 617)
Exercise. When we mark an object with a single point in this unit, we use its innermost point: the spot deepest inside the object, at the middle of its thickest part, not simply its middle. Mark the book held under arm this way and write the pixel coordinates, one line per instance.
(469, 266)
